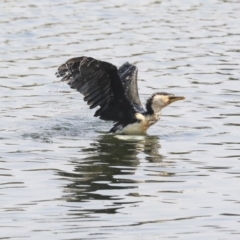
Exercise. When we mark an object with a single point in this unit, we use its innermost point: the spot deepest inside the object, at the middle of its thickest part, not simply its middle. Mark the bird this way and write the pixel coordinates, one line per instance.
(115, 92)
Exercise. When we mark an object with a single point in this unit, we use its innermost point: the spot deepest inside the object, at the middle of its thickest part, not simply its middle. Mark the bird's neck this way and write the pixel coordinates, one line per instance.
(153, 107)
(156, 109)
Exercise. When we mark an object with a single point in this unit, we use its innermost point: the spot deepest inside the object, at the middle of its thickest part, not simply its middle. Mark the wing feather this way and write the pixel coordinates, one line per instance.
(101, 86)
(128, 74)
(94, 94)
(100, 99)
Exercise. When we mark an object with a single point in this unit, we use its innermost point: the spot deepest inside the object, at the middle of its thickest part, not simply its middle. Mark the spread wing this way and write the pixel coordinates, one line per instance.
(128, 74)
(101, 86)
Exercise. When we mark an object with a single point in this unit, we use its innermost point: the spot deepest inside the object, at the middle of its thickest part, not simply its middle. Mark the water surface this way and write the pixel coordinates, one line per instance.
(63, 177)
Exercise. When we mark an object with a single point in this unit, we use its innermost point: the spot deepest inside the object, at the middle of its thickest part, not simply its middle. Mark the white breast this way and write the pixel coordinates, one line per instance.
(142, 126)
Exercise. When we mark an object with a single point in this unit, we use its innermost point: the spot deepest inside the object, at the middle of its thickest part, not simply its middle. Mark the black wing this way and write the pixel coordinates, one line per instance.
(128, 74)
(101, 85)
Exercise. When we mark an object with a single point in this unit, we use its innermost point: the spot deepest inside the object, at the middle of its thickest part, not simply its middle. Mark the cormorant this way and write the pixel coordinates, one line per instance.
(115, 92)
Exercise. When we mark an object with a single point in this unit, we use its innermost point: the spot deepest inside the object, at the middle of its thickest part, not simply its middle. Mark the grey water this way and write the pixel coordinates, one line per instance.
(62, 176)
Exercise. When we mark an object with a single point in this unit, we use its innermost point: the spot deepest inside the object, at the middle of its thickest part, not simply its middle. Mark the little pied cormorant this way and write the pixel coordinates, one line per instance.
(115, 91)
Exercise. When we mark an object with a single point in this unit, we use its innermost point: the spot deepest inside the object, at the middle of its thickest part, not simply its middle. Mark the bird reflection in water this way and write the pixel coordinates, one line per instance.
(111, 161)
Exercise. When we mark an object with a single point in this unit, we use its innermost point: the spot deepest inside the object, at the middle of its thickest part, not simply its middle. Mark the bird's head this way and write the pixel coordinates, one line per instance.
(160, 100)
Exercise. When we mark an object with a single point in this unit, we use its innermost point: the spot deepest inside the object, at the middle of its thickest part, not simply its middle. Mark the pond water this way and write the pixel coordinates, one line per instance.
(62, 176)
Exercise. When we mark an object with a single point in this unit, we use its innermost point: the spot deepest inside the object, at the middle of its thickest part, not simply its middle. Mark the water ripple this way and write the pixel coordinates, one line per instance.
(62, 175)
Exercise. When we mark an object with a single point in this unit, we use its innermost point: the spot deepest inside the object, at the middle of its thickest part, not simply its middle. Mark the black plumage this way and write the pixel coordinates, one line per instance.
(102, 84)
(128, 75)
